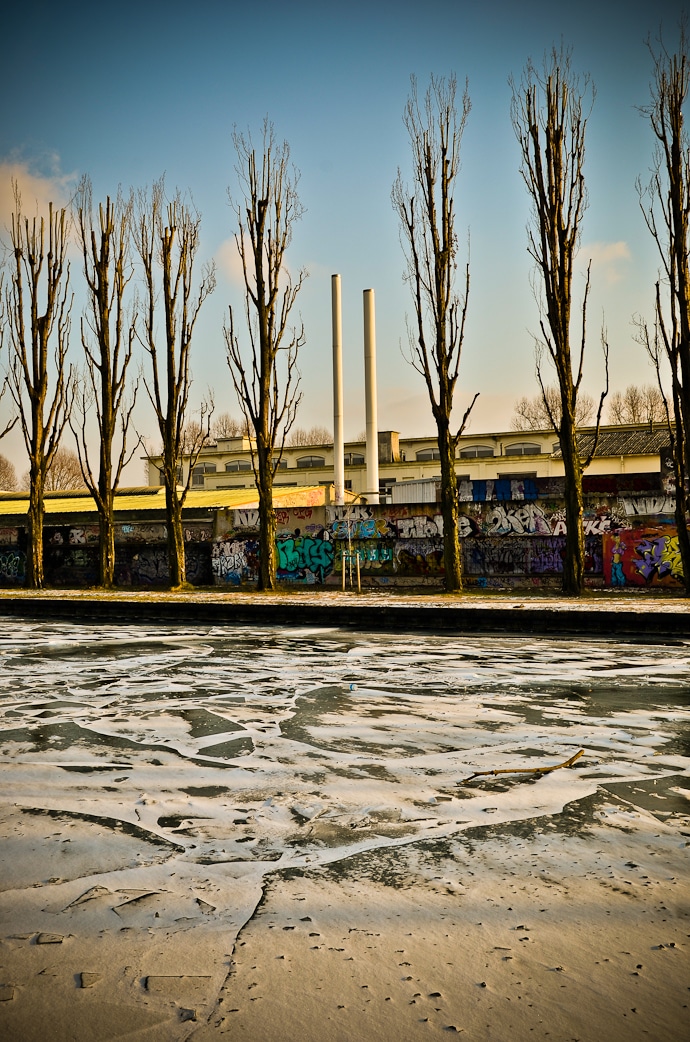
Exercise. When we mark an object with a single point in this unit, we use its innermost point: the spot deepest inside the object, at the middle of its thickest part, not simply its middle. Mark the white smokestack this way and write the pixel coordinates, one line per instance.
(372, 450)
(338, 441)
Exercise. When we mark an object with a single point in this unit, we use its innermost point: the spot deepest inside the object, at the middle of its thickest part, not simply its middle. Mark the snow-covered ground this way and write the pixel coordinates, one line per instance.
(161, 785)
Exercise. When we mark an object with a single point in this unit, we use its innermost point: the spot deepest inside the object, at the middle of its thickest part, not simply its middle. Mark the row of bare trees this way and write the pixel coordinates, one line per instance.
(550, 111)
(163, 236)
(48, 393)
(636, 404)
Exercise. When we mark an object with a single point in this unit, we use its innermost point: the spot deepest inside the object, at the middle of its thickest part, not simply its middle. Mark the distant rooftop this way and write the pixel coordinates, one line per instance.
(626, 441)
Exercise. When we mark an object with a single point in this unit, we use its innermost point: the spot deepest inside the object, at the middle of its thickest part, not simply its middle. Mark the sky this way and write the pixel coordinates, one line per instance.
(128, 92)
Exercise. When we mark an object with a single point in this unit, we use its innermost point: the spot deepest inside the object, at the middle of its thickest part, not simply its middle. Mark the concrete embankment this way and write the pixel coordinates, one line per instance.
(643, 616)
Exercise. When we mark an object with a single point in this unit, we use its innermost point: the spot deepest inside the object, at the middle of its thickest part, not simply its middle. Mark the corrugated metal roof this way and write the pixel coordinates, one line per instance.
(133, 499)
(637, 442)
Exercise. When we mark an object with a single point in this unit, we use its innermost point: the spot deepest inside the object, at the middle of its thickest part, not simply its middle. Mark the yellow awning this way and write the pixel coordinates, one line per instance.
(146, 499)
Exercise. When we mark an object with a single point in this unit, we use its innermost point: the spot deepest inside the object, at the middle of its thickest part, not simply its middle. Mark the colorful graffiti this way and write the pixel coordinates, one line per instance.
(235, 561)
(304, 558)
(647, 555)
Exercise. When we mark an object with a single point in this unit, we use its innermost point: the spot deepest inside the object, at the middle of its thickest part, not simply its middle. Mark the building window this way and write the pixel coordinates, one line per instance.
(425, 454)
(476, 451)
(523, 448)
(311, 461)
(354, 459)
(238, 464)
(282, 465)
(199, 471)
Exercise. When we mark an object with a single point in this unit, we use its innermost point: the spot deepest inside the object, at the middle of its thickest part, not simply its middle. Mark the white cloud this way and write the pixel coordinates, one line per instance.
(36, 190)
(606, 257)
(229, 262)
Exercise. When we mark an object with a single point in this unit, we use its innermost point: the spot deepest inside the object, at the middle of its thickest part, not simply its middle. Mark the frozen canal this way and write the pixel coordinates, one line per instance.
(157, 780)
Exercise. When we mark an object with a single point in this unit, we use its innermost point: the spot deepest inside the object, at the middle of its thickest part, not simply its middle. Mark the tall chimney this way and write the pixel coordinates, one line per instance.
(338, 440)
(372, 449)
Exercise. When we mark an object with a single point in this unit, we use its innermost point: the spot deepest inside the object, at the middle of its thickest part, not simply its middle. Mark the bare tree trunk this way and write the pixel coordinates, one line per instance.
(427, 219)
(34, 556)
(574, 563)
(267, 532)
(176, 560)
(266, 215)
(452, 560)
(106, 548)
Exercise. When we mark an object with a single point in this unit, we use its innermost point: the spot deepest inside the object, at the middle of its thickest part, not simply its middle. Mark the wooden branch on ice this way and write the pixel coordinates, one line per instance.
(526, 770)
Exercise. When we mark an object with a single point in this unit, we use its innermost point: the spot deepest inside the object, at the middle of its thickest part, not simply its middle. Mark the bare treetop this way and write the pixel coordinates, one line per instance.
(550, 110)
(428, 236)
(535, 414)
(266, 212)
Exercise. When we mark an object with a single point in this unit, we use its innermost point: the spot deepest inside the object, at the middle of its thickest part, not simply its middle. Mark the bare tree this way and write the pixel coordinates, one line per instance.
(167, 240)
(637, 405)
(531, 414)
(227, 426)
(197, 433)
(550, 121)
(8, 475)
(38, 308)
(666, 207)
(107, 335)
(64, 473)
(426, 211)
(267, 388)
(310, 436)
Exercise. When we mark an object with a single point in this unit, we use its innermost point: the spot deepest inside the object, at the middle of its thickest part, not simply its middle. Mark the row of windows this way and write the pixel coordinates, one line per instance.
(354, 459)
(351, 459)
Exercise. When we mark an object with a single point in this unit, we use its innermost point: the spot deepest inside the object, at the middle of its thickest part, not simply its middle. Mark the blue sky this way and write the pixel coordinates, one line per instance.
(127, 92)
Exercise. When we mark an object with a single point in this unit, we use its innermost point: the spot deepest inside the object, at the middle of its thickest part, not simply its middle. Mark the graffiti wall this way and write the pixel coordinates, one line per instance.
(512, 534)
(504, 543)
(304, 546)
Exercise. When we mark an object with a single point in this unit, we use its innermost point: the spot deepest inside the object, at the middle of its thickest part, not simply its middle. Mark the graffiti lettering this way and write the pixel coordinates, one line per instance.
(229, 561)
(349, 513)
(302, 555)
(420, 527)
(198, 534)
(246, 519)
(12, 566)
(529, 518)
(660, 557)
(648, 504)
